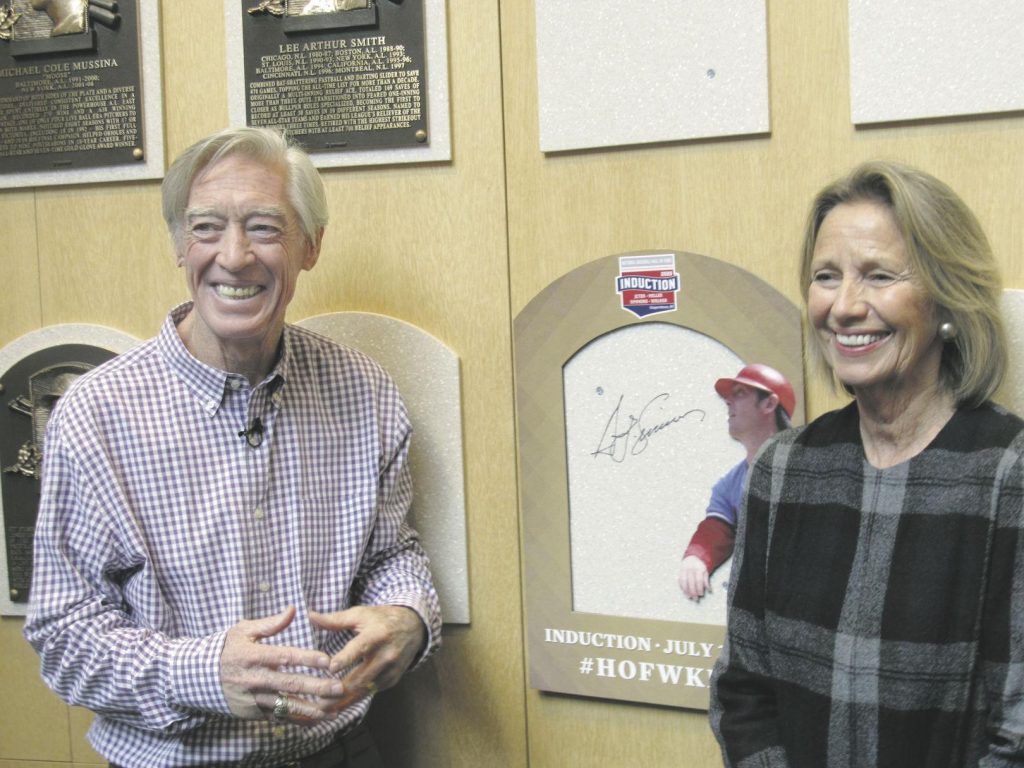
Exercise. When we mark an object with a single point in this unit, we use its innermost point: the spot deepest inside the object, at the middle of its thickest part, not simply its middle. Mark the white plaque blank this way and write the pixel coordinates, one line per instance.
(427, 375)
(612, 73)
(935, 58)
(646, 439)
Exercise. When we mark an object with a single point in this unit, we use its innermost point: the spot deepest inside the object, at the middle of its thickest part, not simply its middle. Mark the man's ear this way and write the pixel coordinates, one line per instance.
(770, 403)
(313, 250)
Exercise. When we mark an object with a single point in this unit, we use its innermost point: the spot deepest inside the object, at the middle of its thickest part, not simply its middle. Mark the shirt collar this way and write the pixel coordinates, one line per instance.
(208, 384)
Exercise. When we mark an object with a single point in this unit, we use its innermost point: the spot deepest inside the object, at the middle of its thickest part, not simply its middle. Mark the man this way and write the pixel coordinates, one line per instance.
(760, 402)
(223, 571)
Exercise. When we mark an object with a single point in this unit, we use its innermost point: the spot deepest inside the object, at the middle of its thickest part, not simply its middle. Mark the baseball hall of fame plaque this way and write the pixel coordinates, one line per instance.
(72, 91)
(337, 74)
(35, 371)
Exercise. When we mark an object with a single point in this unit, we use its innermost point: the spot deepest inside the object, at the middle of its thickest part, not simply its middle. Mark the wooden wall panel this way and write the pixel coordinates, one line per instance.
(19, 266)
(35, 722)
(422, 243)
(742, 201)
(105, 257)
(457, 249)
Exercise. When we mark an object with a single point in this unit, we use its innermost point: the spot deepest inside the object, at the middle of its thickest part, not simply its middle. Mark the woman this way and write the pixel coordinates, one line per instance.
(877, 618)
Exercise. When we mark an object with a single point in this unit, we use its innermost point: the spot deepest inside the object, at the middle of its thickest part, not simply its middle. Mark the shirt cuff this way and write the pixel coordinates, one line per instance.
(194, 671)
(421, 605)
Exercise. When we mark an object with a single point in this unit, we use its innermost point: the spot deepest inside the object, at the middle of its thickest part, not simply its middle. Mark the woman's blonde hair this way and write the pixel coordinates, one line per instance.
(948, 253)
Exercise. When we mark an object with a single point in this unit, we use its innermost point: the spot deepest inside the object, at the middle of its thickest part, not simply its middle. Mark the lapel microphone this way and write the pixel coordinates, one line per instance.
(254, 434)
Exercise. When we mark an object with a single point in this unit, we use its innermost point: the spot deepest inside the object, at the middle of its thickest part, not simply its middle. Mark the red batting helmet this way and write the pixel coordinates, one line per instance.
(764, 378)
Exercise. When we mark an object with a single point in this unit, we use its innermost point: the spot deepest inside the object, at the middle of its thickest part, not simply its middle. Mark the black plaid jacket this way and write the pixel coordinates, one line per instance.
(876, 616)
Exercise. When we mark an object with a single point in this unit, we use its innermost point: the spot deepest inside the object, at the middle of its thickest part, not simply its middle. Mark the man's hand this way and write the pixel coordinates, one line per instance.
(387, 639)
(693, 577)
(254, 674)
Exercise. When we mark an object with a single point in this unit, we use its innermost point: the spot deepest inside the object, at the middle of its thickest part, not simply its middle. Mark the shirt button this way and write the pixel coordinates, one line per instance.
(264, 586)
(235, 384)
(259, 514)
(278, 731)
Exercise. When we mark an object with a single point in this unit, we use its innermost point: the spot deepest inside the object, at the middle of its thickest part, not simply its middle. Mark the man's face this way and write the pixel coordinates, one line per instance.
(242, 250)
(746, 411)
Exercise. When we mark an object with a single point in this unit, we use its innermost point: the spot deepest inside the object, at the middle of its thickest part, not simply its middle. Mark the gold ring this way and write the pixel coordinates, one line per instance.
(281, 709)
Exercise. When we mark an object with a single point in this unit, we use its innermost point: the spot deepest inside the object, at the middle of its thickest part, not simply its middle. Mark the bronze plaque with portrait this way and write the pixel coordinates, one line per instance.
(336, 74)
(70, 85)
(28, 392)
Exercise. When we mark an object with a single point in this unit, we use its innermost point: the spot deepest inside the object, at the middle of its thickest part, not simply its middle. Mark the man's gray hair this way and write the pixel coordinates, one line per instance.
(305, 189)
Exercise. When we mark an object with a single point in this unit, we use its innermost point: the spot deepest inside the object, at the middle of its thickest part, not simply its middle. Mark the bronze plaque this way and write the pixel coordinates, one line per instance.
(70, 85)
(28, 392)
(336, 74)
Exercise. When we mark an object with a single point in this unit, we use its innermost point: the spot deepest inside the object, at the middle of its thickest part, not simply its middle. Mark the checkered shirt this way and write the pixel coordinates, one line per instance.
(877, 616)
(160, 527)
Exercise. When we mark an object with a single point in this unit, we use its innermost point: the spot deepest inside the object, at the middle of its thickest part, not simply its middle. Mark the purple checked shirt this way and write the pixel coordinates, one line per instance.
(160, 527)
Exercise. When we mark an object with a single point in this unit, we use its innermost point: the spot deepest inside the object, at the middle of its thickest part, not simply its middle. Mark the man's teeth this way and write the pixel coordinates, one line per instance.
(859, 340)
(238, 292)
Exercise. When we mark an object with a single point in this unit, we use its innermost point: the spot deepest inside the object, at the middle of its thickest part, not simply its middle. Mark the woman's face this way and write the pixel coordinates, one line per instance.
(875, 323)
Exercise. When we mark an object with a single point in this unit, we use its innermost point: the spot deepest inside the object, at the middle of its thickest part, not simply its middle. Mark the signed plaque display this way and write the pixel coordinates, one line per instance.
(35, 371)
(621, 437)
(71, 87)
(336, 74)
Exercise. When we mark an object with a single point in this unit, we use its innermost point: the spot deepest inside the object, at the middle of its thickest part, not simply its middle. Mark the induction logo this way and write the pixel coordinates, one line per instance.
(648, 284)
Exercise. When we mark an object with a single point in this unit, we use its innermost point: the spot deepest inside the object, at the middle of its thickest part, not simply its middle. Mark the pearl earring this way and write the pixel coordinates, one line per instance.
(947, 331)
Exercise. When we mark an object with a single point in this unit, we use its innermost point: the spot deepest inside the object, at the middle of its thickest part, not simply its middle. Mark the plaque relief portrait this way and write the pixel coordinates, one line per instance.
(307, 7)
(38, 20)
(68, 16)
(45, 387)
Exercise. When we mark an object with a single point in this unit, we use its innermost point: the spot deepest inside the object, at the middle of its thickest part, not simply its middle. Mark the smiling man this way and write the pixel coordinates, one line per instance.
(760, 402)
(223, 570)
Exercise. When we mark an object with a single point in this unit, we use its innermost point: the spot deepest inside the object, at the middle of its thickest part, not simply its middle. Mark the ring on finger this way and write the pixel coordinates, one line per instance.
(281, 708)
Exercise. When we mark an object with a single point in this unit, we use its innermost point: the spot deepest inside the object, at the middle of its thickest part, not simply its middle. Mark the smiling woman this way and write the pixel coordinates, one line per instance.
(873, 321)
(882, 545)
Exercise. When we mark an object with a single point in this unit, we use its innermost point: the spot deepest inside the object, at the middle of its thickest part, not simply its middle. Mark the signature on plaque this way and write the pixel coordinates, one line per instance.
(628, 433)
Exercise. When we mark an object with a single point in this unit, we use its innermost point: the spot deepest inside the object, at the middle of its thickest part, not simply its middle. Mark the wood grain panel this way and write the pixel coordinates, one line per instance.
(19, 265)
(35, 722)
(436, 246)
(742, 201)
(421, 243)
(106, 258)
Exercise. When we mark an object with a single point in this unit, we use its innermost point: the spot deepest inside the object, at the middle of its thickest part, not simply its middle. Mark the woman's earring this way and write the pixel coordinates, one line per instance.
(947, 331)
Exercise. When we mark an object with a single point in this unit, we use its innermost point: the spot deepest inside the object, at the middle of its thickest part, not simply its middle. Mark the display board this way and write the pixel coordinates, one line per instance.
(611, 73)
(934, 58)
(621, 436)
